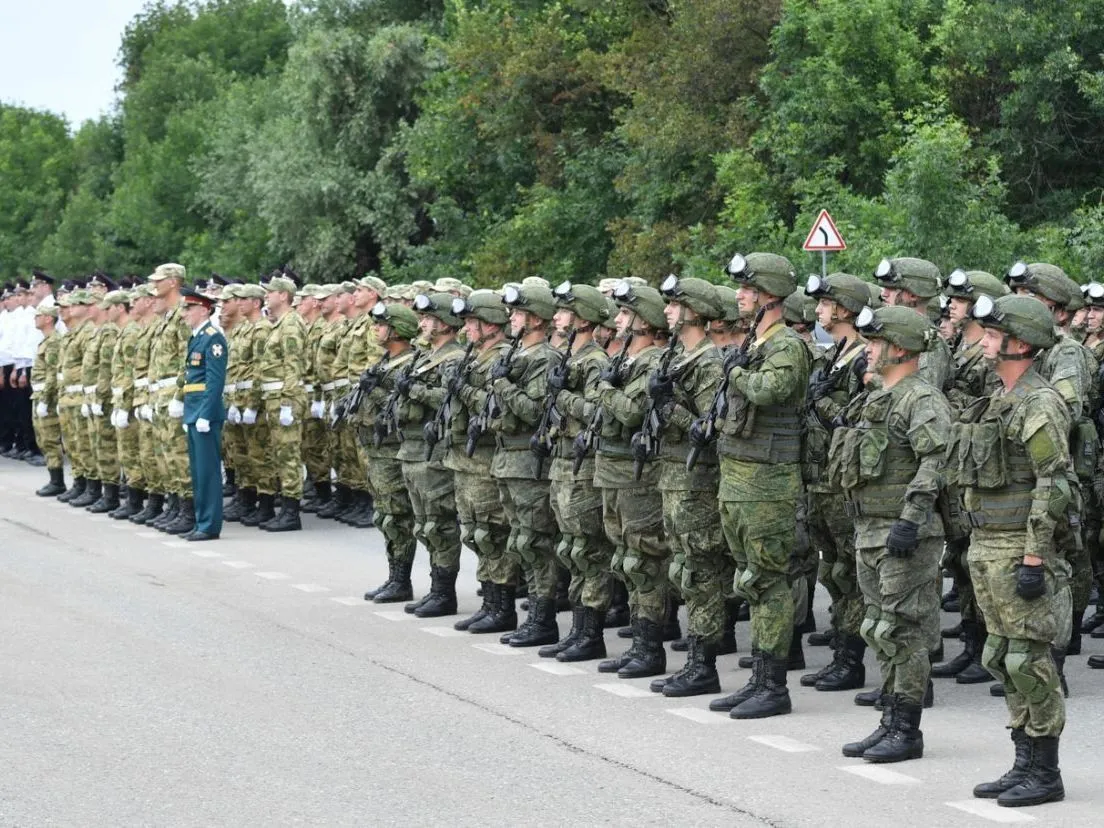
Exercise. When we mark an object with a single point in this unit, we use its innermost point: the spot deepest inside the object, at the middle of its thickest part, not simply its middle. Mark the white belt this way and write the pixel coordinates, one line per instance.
(308, 387)
(89, 389)
(341, 383)
(142, 383)
(328, 386)
(245, 385)
(60, 376)
(38, 386)
(73, 389)
(278, 385)
(116, 392)
(229, 388)
(164, 383)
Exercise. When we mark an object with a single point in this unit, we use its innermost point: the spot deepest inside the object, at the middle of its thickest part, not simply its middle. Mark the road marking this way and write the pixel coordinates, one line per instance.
(349, 602)
(116, 525)
(557, 668)
(499, 649)
(627, 691)
(274, 576)
(698, 714)
(783, 743)
(205, 553)
(149, 534)
(237, 564)
(445, 632)
(990, 810)
(880, 775)
(177, 544)
(310, 587)
(394, 615)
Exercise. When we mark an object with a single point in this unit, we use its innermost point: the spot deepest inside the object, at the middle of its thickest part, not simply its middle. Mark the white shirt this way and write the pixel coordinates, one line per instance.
(7, 337)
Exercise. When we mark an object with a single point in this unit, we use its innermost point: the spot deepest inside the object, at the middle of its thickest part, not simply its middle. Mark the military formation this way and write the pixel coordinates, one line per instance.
(623, 450)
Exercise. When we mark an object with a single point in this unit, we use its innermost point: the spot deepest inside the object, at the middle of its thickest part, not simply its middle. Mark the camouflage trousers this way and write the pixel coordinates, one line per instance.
(833, 533)
(171, 451)
(434, 505)
(902, 603)
(760, 535)
(804, 560)
(1017, 650)
(701, 567)
(641, 557)
(1092, 526)
(583, 549)
(316, 449)
(147, 437)
(483, 526)
(104, 447)
(284, 453)
(129, 450)
(257, 468)
(78, 444)
(48, 436)
(394, 513)
(233, 449)
(532, 541)
(347, 457)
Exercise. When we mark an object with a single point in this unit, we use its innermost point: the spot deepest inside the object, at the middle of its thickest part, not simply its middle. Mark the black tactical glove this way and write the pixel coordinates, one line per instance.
(557, 379)
(610, 374)
(823, 383)
(404, 383)
(902, 540)
(737, 358)
(1031, 582)
(660, 387)
(368, 382)
(858, 368)
(696, 435)
(500, 370)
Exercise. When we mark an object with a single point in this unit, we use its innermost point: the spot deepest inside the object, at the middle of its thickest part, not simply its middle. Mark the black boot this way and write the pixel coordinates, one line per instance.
(372, 593)
(846, 672)
(502, 616)
(264, 511)
(618, 613)
(398, 589)
(952, 632)
(727, 644)
(442, 594)
(821, 639)
(339, 501)
(671, 629)
(650, 658)
(949, 601)
(857, 749)
(151, 510)
(975, 645)
(244, 502)
(184, 523)
(56, 486)
(1074, 646)
(1059, 657)
(614, 664)
(321, 497)
(540, 627)
(92, 492)
(1020, 766)
(1044, 780)
(364, 517)
(131, 506)
(108, 502)
(1094, 621)
(808, 623)
(482, 612)
(681, 645)
(172, 509)
(870, 698)
(553, 650)
(734, 700)
(904, 740)
(795, 660)
(228, 488)
(590, 643)
(288, 521)
(700, 676)
(950, 669)
(354, 509)
(77, 489)
(771, 698)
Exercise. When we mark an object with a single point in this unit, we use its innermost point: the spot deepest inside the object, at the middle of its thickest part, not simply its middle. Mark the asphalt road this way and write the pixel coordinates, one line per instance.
(147, 681)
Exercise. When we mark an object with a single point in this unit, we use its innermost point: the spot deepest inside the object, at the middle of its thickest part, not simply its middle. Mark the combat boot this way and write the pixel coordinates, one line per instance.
(904, 740)
(265, 511)
(808, 623)
(771, 698)
(338, 502)
(1059, 657)
(822, 639)
(795, 659)
(614, 664)
(540, 627)
(618, 613)
(502, 617)
(131, 506)
(650, 658)
(399, 588)
(727, 644)
(184, 523)
(322, 495)
(288, 521)
(93, 491)
(244, 501)
(734, 700)
(482, 612)
(75, 490)
(671, 630)
(358, 499)
(372, 593)
(949, 601)
(681, 645)
(154, 504)
(1074, 646)
(857, 749)
(590, 643)
(56, 486)
(1094, 621)
(975, 645)
(442, 594)
(363, 516)
(1043, 782)
(229, 489)
(700, 676)
(172, 509)
(108, 502)
(553, 650)
(847, 671)
(1018, 773)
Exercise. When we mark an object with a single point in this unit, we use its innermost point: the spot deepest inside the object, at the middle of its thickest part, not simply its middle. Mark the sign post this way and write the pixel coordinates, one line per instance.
(825, 238)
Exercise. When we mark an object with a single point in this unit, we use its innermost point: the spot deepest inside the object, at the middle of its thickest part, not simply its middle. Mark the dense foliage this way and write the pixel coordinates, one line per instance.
(495, 139)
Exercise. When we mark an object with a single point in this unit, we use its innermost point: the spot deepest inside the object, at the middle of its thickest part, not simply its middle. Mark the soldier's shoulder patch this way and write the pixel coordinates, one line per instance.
(216, 349)
(209, 330)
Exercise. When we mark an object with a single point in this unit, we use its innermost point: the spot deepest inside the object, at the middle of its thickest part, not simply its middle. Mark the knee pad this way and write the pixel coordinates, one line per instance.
(676, 571)
(1023, 658)
(845, 577)
(747, 584)
(482, 540)
(564, 550)
(617, 564)
(992, 656)
(866, 629)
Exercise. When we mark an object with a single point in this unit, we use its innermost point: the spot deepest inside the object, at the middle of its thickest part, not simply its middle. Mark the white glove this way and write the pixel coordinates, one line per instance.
(42, 409)
(176, 408)
(202, 425)
(234, 415)
(97, 410)
(286, 417)
(333, 410)
(185, 427)
(122, 418)
(318, 409)
(147, 413)
(249, 416)
(85, 410)
(114, 419)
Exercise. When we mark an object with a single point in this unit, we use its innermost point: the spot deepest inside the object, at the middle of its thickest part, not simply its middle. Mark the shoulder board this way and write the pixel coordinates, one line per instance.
(209, 330)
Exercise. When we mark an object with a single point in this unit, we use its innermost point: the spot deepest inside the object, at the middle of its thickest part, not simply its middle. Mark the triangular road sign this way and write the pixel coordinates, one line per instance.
(824, 235)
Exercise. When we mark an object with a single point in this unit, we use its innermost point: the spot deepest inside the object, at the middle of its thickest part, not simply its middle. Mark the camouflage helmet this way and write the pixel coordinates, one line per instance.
(904, 327)
(767, 272)
(585, 301)
(918, 276)
(401, 319)
(1042, 279)
(1093, 294)
(611, 313)
(847, 291)
(730, 303)
(799, 308)
(439, 306)
(1023, 317)
(484, 305)
(696, 294)
(937, 308)
(970, 284)
(532, 298)
(875, 292)
(646, 302)
(1077, 298)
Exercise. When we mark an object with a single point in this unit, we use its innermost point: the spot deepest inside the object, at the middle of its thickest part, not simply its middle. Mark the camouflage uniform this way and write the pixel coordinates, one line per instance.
(70, 397)
(280, 370)
(122, 400)
(167, 354)
(144, 430)
(44, 389)
(315, 429)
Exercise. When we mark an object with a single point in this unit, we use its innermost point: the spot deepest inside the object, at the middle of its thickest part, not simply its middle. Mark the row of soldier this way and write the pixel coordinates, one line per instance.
(660, 442)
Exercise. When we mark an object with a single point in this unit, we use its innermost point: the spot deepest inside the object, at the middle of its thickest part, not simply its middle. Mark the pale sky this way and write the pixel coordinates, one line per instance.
(59, 55)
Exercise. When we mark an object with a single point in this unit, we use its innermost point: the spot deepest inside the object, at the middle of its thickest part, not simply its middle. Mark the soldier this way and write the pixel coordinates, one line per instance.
(44, 394)
(92, 412)
(888, 459)
(760, 452)
(1010, 454)
(143, 401)
(256, 477)
(71, 390)
(315, 427)
(127, 441)
(911, 283)
(113, 315)
(331, 304)
(233, 325)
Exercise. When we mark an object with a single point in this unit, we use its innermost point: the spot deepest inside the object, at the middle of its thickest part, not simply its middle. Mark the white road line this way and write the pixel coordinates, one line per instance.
(116, 525)
(990, 810)
(499, 649)
(699, 715)
(882, 776)
(237, 564)
(310, 587)
(394, 615)
(349, 602)
(556, 668)
(274, 576)
(445, 632)
(784, 743)
(177, 544)
(205, 553)
(627, 691)
(149, 534)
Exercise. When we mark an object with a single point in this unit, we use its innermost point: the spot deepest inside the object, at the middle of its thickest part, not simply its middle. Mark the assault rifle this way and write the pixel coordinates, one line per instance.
(645, 443)
(541, 441)
(585, 439)
(435, 430)
(491, 409)
(388, 421)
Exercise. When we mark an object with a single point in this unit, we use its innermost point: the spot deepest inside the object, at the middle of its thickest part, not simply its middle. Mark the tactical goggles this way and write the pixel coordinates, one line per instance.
(867, 324)
(886, 271)
(563, 293)
(818, 287)
(623, 293)
(461, 307)
(737, 269)
(423, 304)
(671, 288)
(379, 312)
(958, 283)
(1093, 293)
(1020, 275)
(987, 312)
(512, 296)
